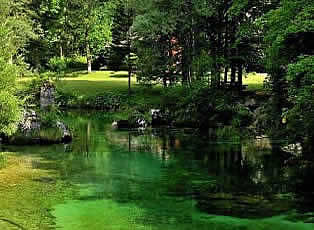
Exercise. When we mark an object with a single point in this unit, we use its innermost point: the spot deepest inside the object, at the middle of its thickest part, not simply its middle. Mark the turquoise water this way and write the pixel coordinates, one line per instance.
(170, 179)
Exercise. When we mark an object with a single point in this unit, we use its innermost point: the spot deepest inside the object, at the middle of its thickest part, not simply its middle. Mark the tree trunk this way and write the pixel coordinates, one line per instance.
(61, 51)
(233, 74)
(129, 77)
(226, 75)
(89, 59)
(240, 75)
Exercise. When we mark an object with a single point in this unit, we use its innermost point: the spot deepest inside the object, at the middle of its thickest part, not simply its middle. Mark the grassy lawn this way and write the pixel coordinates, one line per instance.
(254, 81)
(85, 84)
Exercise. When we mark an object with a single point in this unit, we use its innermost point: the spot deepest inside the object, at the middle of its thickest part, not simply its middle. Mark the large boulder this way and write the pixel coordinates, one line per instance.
(159, 117)
(66, 134)
(30, 122)
(47, 95)
(126, 124)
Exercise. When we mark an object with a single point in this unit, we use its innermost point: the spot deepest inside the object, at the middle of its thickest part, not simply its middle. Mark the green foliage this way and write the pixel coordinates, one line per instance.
(137, 113)
(105, 101)
(122, 21)
(241, 116)
(76, 62)
(203, 65)
(300, 117)
(8, 75)
(31, 90)
(289, 60)
(10, 112)
(49, 117)
(61, 65)
(65, 98)
(15, 29)
(57, 64)
(228, 133)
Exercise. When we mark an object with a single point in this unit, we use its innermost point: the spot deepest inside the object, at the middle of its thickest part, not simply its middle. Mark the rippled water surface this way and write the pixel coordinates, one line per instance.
(153, 179)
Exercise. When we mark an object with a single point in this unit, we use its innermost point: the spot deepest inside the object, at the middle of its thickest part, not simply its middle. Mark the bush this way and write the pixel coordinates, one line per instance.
(60, 65)
(106, 101)
(57, 64)
(77, 62)
(64, 98)
(241, 116)
(49, 117)
(228, 133)
(10, 112)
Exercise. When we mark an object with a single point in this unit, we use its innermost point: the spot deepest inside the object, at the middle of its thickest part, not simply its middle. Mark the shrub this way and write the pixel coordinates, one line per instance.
(76, 62)
(242, 116)
(65, 98)
(49, 117)
(10, 112)
(57, 64)
(228, 133)
(105, 101)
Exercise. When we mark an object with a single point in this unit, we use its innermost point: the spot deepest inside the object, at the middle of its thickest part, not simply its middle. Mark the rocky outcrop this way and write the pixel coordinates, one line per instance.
(30, 122)
(125, 124)
(47, 95)
(31, 131)
(159, 117)
(66, 134)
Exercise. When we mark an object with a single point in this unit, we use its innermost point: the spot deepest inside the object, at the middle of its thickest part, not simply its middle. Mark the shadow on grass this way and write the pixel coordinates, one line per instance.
(118, 75)
(90, 88)
(86, 88)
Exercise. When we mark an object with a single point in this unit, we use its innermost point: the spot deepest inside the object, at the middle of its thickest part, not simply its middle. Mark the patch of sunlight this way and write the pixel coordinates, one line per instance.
(98, 214)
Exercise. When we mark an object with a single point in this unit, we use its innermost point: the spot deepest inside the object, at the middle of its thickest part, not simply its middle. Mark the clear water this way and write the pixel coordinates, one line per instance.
(154, 179)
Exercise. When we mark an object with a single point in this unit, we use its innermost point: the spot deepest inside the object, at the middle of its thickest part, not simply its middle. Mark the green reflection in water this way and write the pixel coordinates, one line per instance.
(163, 179)
(107, 214)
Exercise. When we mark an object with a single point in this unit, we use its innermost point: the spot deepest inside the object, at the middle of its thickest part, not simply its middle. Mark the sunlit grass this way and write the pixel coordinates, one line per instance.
(255, 81)
(85, 84)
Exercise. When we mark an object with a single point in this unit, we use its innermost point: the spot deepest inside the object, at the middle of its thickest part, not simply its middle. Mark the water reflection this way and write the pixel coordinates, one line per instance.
(247, 179)
(172, 179)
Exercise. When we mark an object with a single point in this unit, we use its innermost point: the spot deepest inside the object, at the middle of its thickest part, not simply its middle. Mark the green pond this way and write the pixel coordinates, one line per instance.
(153, 179)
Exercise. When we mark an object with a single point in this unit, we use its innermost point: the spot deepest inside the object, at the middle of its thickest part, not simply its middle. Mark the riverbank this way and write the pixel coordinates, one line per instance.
(108, 91)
